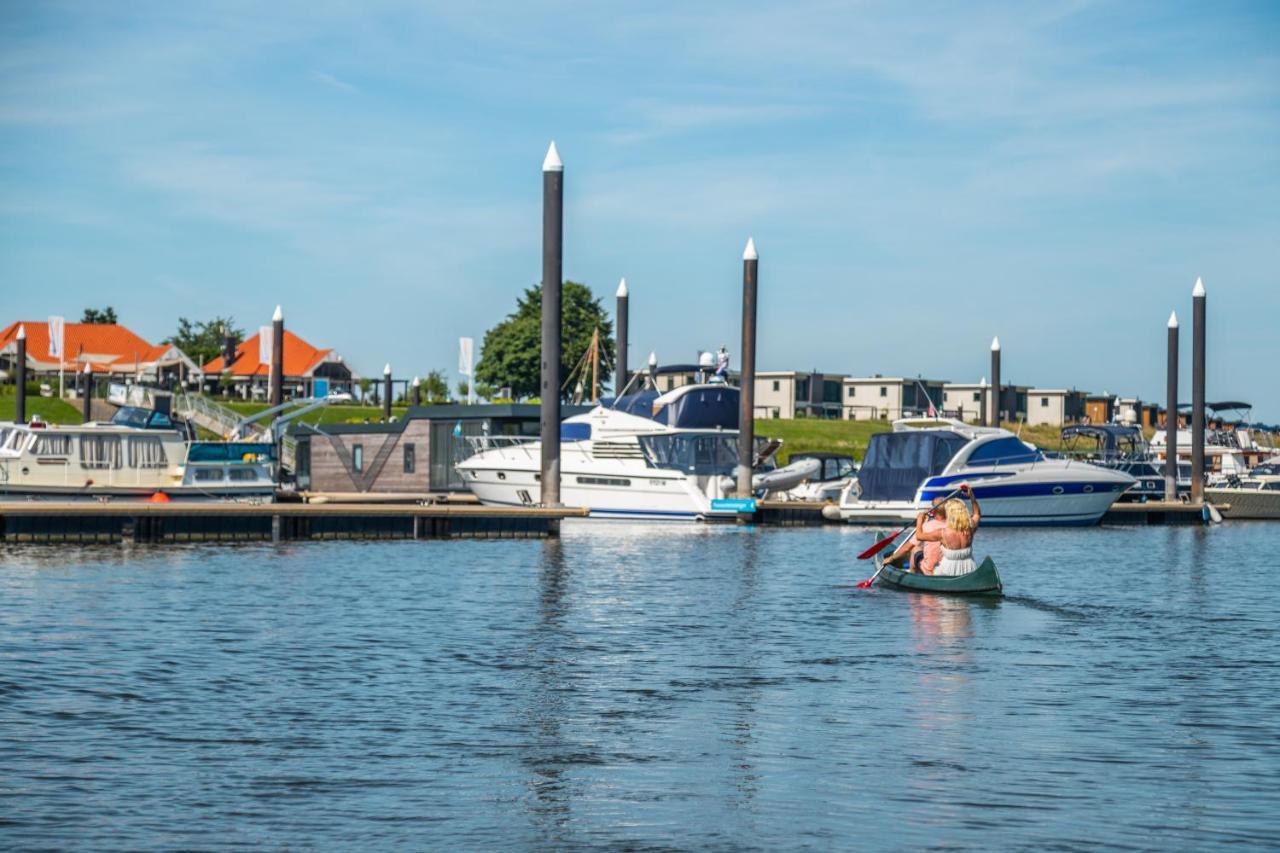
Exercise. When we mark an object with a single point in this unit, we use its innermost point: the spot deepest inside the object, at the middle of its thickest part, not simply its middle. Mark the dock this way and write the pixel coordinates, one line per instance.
(112, 522)
(1156, 512)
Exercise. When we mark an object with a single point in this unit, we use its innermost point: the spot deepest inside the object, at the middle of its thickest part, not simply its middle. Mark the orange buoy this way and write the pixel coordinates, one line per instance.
(158, 498)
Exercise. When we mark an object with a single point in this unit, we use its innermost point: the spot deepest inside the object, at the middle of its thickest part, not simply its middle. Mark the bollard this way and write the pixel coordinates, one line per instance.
(1171, 414)
(1197, 392)
(624, 310)
(277, 358)
(552, 259)
(87, 400)
(20, 371)
(746, 392)
(995, 382)
(386, 393)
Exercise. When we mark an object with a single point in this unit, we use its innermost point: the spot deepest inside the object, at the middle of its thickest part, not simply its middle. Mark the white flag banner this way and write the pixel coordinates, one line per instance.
(264, 344)
(466, 349)
(57, 335)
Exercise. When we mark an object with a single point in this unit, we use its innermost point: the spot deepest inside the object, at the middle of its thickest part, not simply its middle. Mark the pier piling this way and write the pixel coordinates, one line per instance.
(86, 397)
(552, 259)
(1197, 392)
(995, 382)
(277, 357)
(1171, 414)
(624, 309)
(746, 393)
(20, 373)
(416, 394)
(386, 393)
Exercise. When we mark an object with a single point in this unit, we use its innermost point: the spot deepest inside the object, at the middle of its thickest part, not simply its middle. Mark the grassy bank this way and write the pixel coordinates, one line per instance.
(50, 409)
(812, 434)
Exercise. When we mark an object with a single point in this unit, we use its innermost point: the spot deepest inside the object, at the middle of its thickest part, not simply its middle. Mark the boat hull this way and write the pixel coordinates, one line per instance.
(984, 580)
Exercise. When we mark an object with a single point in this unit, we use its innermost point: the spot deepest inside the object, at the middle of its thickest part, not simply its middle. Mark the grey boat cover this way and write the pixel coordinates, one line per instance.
(898, 462)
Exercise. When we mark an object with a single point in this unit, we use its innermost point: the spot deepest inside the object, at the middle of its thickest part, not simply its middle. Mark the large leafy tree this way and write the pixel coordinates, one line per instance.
(94, 315)
(203, 341)
(512, 351)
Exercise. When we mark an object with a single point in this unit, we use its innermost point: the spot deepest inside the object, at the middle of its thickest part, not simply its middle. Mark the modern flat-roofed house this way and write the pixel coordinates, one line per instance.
(307, 369)
(890, 398)
(1100, 408)
(792, 394)
(965, 400)
(1054, 406)
(109, 349)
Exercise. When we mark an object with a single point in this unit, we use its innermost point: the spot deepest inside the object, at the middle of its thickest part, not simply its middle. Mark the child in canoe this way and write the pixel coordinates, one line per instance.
(956, 538)
(924, 556)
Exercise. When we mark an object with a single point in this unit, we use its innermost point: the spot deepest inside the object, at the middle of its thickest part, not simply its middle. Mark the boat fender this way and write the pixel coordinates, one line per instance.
(1211, 514)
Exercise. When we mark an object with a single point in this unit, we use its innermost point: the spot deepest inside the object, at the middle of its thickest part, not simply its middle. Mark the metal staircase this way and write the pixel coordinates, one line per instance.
(213, 416)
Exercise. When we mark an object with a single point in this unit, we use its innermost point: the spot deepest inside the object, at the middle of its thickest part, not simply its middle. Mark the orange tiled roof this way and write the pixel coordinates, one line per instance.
(300, 358)
(104, 346)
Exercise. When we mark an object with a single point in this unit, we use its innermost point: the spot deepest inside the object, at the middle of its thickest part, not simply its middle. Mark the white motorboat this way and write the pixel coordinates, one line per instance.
(645, 456)
(904, 470)
(832, 473)
(135, 456)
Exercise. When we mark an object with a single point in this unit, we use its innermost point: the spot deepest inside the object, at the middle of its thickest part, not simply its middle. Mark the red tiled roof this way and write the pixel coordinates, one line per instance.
(103, 345)
(300, 357)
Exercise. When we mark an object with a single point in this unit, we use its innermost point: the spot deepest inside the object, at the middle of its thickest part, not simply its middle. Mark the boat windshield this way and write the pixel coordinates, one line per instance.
(898, 462)
(139, 418)
(1003, 451)
(692, 453)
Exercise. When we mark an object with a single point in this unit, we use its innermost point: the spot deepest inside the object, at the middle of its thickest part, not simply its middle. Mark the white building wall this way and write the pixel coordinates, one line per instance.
(872, 399)
(775, 396)
(1046, 408)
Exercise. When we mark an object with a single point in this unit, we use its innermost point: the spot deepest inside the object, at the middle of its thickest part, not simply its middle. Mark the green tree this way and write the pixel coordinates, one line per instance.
(435, 387)
(512, 351)
(203, 341)
(484, 391)
(93, 315)
(464, 389)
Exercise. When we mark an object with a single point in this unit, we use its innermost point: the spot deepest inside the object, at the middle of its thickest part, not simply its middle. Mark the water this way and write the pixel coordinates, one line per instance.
(642, 686)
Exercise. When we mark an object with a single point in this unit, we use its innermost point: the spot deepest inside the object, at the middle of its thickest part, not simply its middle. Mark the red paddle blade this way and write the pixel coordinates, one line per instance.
(878, 547)
(863, 584)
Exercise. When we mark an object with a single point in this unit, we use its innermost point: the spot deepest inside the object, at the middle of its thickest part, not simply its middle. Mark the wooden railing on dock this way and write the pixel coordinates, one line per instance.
(39, 521)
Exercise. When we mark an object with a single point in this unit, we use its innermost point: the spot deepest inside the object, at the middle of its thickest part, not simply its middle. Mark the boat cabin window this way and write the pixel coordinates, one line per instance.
(242, 475)
(208, 475)
(100, 451)
(146, 451)
(1004, 451)
(836, 469)
(140, 418)
(692, 453)
(52, 445)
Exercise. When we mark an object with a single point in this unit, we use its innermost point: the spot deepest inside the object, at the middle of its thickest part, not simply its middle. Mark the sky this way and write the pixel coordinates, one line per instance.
(917, 177)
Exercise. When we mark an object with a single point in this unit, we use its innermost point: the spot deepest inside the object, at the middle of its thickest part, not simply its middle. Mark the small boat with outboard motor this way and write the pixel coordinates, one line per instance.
(984, 580)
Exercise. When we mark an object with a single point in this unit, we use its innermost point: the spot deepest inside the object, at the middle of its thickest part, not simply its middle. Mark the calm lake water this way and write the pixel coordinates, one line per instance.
(643, 686)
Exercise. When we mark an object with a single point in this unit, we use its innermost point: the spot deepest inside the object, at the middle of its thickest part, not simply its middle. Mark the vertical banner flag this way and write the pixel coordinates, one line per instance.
(264, 344)
(57, 335)
(466, 347)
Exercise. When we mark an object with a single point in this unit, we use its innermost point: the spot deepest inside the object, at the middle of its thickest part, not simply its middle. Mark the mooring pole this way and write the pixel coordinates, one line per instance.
(995, 382)
(417, 391)
(747, 386)
(277, 357)
(87, 400)
(386, 393)
(20, 372)
(1197, 393)
(1171, 415)
(552, 259)
(624, 310)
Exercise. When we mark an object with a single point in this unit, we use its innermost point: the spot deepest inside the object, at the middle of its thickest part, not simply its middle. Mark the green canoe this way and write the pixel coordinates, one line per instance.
(984, 580)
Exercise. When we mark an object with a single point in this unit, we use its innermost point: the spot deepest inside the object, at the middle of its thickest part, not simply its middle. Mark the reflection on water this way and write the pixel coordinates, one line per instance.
(641, 686)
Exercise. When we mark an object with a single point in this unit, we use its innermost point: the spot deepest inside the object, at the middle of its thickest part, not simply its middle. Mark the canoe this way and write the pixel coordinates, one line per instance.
(984, 580)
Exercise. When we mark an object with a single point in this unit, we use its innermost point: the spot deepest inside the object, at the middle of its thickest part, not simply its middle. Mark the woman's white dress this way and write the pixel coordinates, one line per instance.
(957, 562)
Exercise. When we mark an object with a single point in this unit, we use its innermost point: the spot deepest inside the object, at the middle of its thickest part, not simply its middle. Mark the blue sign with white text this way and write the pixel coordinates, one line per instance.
(733, 505)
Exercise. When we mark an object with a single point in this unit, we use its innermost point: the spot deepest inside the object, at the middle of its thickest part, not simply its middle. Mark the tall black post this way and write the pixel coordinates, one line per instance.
(386, 393)
(20, 371)
(417, 391)
(996, 393)
(87, 397)
(624, 309)
(552, 258)
(1171, 415)
(747, 387)
(1197, 392)
(277, 357)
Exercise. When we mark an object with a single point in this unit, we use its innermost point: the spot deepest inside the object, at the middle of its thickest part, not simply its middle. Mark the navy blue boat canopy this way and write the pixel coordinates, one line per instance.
(898, 462)
(700, 408)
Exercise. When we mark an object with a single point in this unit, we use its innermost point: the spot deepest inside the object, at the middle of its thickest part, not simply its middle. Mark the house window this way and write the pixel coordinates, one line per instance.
(884, 392)
(1044, 402)
(410, 463)
(777, 386)
(977, 396)
(671, 383)
(852, 392)
(357, 458)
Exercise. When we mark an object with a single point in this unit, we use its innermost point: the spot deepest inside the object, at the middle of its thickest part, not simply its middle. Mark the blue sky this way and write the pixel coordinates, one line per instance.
(918, 177)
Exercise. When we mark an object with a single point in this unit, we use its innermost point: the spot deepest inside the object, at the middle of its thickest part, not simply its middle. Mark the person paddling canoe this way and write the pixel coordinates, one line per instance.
(957, 537)
(925, 556)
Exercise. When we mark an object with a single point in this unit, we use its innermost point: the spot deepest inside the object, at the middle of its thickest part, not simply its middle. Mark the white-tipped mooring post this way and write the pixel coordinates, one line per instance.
(624, 309)
(1197, 392)
(86, 401)
(386, 393)
(1171, 414)
(277, 358)
(747, 385)
(416, 394)
(552, 263)
(995, 382)
(20, 373)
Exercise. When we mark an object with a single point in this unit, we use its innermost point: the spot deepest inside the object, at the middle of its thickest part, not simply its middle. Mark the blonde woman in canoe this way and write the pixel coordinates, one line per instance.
(956, 538)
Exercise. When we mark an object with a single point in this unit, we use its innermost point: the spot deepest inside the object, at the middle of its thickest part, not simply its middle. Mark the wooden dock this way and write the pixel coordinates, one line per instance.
(91, 521)
(1155, 512)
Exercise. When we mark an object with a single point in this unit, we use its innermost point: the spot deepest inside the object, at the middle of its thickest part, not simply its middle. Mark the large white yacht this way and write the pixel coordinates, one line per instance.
(904, 470)
(139, 455)
(645, 456)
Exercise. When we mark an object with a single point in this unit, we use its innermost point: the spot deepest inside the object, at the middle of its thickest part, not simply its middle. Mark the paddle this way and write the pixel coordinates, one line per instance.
(880, 546)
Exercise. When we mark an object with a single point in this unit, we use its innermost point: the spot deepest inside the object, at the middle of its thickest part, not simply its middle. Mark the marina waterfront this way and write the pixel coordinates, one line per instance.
(673, 687)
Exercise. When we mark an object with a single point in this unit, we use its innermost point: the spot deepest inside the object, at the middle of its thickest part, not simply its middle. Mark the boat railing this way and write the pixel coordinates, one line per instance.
(481, 443)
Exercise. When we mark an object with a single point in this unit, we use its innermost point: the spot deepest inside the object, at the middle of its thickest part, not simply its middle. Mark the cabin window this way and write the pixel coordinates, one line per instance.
(52, 445)
(100, 451)
(1044, 402)
(357, 458)
(208, 475)
(410, 460)
(242, 475)
(1003, 451)
(146, 451)
(884, 392)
